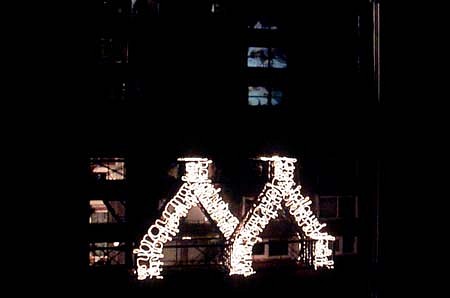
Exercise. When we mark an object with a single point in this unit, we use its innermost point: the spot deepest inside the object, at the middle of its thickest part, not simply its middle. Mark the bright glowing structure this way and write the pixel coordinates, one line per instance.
(196, 189)
(281, 188)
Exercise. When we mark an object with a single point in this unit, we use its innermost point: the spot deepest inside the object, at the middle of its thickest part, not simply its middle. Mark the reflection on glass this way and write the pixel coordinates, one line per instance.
(258, 96)
(258, 57)
(263, 96)
(106, 253)
(106, 211)
(276, 97)
(266, 57)
(108, 168)
(278, 58)
(263, 25)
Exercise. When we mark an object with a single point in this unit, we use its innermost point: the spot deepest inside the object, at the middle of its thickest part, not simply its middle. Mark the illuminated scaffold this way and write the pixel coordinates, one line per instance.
(196, 189)
(281, 188)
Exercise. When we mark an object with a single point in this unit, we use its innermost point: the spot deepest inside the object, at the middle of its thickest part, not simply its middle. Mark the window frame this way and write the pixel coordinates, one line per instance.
(338, 213)
(99, 162)
(270, 57)
(270, 97)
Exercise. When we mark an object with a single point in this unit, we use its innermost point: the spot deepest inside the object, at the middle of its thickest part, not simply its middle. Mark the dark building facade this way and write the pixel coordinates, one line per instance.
(230, 81)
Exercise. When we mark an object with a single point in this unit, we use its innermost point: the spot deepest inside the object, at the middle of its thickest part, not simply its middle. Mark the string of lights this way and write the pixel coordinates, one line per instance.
(197, 189)
(282, 187)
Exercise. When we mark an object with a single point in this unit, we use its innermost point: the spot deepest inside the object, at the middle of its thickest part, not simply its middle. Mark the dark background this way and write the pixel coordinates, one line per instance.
(187, 80)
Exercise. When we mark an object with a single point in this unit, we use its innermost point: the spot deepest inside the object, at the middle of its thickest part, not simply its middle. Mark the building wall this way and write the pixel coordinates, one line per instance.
(177, 85)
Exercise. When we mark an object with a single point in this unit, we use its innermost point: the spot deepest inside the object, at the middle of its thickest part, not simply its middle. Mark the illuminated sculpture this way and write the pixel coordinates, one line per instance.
(196, 189)
(240, 238)
(281, 188)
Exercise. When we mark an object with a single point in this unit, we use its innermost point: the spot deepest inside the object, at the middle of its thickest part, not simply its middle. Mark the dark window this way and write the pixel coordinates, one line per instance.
(113, 50)
(278, 248)
(347, 207)
(328, 207)
(258, 249)
(336, 245)
(337, 207)
(349, 244)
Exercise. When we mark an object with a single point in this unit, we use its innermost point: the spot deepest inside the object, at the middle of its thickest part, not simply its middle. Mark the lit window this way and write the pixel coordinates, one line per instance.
(108, 168)
(264, 96)
(106, 211)
(266, 57)
(106, 253)
(258, 57)
(278, 58)
(263, 25)
(276, 96)
(258, 96)
(216, 8)
(196, 216)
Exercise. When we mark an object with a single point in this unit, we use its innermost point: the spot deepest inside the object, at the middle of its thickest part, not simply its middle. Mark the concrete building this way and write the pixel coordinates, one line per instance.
(230, 81)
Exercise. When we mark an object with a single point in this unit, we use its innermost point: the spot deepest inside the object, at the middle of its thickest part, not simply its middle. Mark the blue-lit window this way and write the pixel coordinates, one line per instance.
(263, 25)
(264, 96)
(263, 57)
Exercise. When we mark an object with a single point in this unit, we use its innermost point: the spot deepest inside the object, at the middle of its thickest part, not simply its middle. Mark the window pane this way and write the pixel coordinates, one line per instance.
(258, 96)
(278, 248)
(258, 249)
(278, 58)
(328, 207)
(106, 253)
(347, 207)
(276, 97)
(263, 25)
(349, 245)
(337, 245)
(258, 57)
(108, 168)
(106, 212)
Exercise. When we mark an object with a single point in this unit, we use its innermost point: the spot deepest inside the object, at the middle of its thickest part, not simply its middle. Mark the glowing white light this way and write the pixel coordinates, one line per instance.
(194, 159)
(116, 243)
(281, 188)
(277, 158)
(197, 189)
(186, 238)
(211, 201)
(241, 238)
(322, 254)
